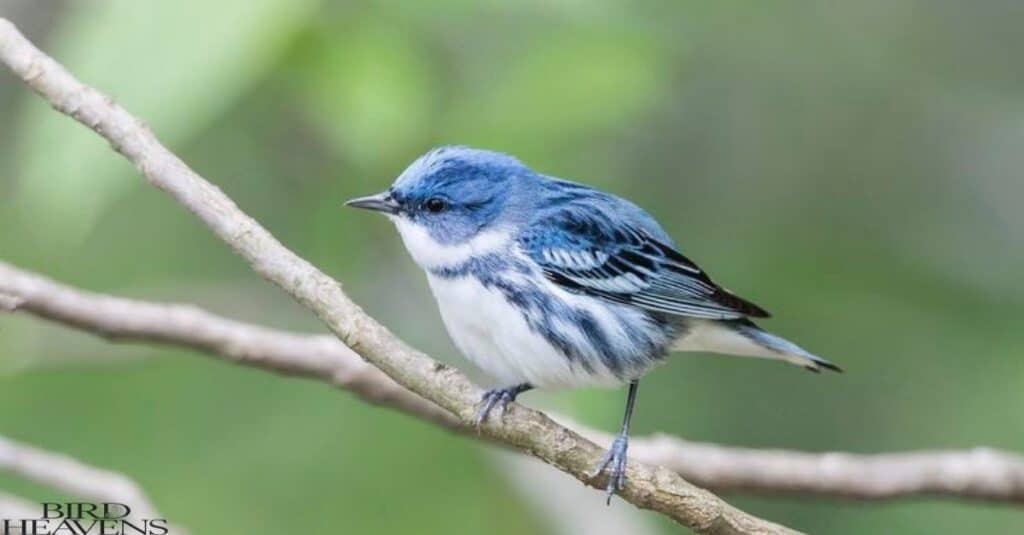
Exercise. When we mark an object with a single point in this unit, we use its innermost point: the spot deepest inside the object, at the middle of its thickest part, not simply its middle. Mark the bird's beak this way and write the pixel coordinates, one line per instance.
(381, 202)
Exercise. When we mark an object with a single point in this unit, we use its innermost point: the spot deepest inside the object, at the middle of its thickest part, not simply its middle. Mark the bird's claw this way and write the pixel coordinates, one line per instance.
(614, 461)
(496, 398)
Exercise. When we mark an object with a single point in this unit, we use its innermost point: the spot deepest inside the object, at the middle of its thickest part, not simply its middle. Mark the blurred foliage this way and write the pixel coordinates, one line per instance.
(158, 63)
(852, 166)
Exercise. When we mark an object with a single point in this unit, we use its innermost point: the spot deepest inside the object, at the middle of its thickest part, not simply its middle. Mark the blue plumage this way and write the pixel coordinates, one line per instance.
(544, 282)
(605, 247)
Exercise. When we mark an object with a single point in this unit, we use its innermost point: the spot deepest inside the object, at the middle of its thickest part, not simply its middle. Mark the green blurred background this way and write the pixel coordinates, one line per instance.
(853, 166)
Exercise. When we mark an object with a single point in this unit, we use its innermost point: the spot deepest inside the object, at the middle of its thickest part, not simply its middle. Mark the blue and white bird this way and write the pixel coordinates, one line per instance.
(546, 283)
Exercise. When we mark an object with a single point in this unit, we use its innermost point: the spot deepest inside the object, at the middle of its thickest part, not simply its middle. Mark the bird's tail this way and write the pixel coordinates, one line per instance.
(744, 338)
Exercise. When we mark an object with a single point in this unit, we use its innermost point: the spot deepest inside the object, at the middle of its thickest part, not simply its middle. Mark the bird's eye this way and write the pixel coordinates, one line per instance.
(435, 205)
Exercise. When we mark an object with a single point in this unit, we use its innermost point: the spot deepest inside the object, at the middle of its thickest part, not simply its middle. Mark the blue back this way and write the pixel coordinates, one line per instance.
(487, 188)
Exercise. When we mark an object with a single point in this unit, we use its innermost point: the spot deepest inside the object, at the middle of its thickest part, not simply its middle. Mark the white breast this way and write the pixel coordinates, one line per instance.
(495, 336)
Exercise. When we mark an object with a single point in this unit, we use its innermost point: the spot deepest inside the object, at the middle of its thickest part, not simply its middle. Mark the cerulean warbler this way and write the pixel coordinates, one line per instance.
(548, 283)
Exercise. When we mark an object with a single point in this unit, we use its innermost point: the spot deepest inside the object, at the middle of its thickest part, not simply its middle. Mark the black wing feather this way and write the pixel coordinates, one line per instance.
(626, 264)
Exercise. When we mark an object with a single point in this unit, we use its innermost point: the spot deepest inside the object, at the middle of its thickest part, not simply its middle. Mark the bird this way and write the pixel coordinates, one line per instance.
(547, 283)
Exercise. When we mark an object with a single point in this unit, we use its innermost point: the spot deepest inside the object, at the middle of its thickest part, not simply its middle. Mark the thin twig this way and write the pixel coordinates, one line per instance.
(16, 507)
(320, 357)
(977, 474)
(73, 477)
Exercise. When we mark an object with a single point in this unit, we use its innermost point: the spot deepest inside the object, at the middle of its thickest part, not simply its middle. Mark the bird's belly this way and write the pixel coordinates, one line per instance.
(495, 336)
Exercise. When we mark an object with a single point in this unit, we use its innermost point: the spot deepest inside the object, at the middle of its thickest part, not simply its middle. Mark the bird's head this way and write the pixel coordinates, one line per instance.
(453, 202)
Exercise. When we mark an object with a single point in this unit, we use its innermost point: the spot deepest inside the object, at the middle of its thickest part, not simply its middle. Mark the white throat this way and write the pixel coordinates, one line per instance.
(428, 253)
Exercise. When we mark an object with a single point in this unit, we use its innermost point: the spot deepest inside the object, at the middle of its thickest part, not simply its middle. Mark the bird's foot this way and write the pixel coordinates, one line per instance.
(496, 399)
(615, 463)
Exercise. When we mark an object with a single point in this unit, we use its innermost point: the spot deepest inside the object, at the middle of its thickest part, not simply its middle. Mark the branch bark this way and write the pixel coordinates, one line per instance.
(73, 477)
(12, 507)
(977, 474)
(319, 357)
(655, 488)
(9, 302)
(981, 473)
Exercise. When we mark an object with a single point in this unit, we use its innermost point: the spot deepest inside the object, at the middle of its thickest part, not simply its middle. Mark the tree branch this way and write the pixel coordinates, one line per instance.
(320, 357)
(654, 488)
(8, 302)
(976, 474)
(981, 474)
(12, 507)
(73, 477)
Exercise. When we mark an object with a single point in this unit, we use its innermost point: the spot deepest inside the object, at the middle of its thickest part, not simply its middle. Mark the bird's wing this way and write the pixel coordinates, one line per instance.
(589, 252)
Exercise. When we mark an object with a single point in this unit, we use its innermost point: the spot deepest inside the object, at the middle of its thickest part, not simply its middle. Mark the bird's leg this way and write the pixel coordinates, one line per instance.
(615, 459)
(498, 398)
